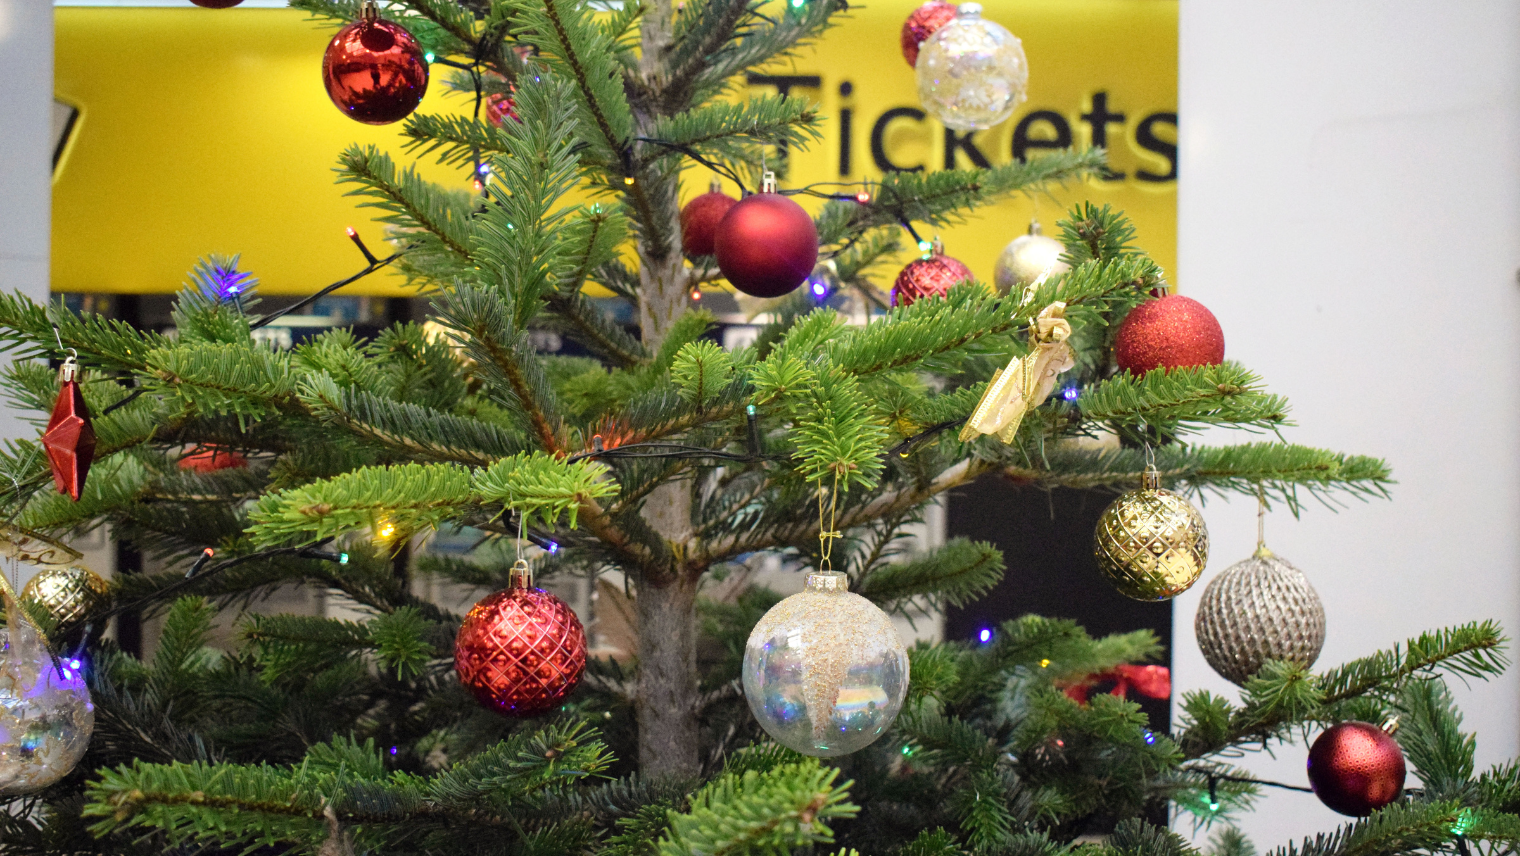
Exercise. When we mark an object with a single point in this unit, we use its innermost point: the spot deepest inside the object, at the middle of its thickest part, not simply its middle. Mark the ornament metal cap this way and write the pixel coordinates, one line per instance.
(521, 575)
(969, 10)
(827, 582)
(369, 11)
(715, 186)
(1034, 228)
(1150, 479)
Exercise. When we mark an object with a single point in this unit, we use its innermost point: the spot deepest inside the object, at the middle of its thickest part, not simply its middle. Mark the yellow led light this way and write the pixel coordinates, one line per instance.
(1044, 663)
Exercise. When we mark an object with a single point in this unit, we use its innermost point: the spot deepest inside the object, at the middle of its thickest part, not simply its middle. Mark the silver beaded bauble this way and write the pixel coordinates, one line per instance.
(1257, 610)
(1026, 258)
(824, 671)
(972, 72)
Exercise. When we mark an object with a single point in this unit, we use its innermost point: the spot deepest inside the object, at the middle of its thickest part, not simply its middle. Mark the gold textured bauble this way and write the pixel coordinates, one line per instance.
(1151, 543)
(1026, 258)
(68, 592)
(1257, 610)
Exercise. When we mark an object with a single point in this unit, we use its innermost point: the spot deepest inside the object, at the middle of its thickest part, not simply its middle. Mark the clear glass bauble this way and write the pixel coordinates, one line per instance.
(45, 712)
(972, 72)
(824, 671)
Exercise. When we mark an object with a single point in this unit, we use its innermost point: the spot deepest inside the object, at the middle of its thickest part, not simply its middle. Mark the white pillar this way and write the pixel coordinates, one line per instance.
(26, 156)
(1349, 208)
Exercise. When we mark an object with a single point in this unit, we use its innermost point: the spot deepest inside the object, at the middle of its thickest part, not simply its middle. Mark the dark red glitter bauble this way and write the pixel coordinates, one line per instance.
(766, 245)
(1355, 768)
(1171, 332)
(700, 218)
(375, 72)
(921, 24)
(931, 277)
(520, 651)
(216, 4)
(499, 108)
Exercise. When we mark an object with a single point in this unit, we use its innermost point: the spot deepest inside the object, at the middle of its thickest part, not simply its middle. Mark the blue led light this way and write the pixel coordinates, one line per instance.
(393, 750)
(1071, 393)
(75, 663)
(552, 548)
(819, 289)
(1150, 738)
(985, 636)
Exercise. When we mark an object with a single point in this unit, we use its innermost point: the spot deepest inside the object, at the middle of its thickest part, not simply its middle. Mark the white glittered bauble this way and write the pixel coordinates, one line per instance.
(824, 671)
(1026, 258)
(972, 72)
(1258, 610)
(45, 712)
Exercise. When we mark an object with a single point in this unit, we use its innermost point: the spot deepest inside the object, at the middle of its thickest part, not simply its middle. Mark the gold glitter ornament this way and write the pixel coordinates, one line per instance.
(824, 671)
(1026, 258)
(67, 592)
(46, 717)
(1151, 543)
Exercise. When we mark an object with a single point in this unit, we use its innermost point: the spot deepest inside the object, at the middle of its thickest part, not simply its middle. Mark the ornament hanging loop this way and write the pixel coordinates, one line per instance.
(827, 533)
(1261, 523)
(70, 368)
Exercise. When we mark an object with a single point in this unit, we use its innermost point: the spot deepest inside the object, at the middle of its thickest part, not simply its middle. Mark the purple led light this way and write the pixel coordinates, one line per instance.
(985, 636)
(393, 750)
(1070, 393)
(819, 288)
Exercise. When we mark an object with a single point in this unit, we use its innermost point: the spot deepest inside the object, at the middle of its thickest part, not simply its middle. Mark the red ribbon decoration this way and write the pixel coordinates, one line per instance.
(1149, 681)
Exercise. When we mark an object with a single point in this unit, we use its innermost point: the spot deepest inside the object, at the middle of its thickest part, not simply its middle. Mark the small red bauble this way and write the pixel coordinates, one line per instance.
(213, 459)
(700, 218)
(930, 277)
(216, 4)
(499, 108)
(374, 70)
(520, 651)
(921, 24)
(69, 438)
(766, 245)
(1168, 333)
(1355, 768)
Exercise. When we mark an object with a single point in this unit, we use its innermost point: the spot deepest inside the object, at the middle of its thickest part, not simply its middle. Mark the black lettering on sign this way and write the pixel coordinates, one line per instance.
(955, 141)
(1099, 119)
(1145, 135)
(1023, 142)
(879, 134)
(846, 135)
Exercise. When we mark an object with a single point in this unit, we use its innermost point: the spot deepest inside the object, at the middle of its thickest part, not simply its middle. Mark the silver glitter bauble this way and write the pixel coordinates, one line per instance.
(1026, 258)
(824, 671)
(1257, 610)
(972, 72)
(45, 712)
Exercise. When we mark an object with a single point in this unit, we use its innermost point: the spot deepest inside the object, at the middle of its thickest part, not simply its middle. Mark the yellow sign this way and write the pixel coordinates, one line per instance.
(207, 131)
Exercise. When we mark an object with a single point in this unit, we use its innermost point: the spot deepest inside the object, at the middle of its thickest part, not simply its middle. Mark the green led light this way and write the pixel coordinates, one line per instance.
(925, 246)
(749, 409)
(1213, 806)
(342, 558)
(907, 750)
(1464, 823)
(428, 57)
(797, 4)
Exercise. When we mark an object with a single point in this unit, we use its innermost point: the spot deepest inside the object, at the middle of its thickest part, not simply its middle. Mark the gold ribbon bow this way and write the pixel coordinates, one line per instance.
(1027, 381)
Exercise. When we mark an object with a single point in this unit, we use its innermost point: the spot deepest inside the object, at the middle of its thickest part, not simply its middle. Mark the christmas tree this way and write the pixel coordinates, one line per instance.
(667, 458)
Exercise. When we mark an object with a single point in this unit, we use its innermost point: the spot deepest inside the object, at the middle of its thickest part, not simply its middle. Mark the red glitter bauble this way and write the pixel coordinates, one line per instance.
(700, 218)
(931, 277)
(499, 108)
(375, 71)
(1168, 333)
(69, 438)
(921, 24)
(766, 245)
(1355, 768)
(520, 651)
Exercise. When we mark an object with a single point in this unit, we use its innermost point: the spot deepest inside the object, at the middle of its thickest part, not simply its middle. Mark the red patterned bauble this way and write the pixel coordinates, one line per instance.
(929, 277)
(499, 108)
(1356, 768)
(374, 70)
(700, 218)
(216, 4)
(69, 437)
(520, 651)
(921, 24)
(1172, 332)
(766, 245)
(209, 460)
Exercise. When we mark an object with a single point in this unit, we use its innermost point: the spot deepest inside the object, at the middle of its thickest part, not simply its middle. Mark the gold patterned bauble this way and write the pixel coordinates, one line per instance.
(1151, 543)
(1257, 610)
(1026, 258)
(824, 671)
(68, 592)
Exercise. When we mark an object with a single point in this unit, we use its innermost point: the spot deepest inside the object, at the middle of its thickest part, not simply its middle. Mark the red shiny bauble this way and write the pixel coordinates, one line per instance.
(520, 651)
(1356, 768)
(499, 108)
(921, 24)
(211, 460)
(766, 245)
(375, 72)
(216, 4)
(700, 218)
(1168, 333)
(931, 277)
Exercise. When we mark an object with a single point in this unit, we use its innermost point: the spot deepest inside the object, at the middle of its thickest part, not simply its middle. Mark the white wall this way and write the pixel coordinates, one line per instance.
(26, 157)
(1350, 210)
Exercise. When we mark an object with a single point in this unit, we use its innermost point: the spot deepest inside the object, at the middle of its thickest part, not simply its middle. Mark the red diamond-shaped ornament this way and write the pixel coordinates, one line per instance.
(69, 438)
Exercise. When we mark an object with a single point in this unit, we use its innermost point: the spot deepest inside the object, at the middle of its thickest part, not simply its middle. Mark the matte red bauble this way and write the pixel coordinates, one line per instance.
(1171, 332)
(921, 24)
(499, 108)
(1356, 768)
(930, 277)
(69, 438)
(766, 245)
(216, 4)
(374, 70)
(213, 459)
(520, 651)
(700, 218)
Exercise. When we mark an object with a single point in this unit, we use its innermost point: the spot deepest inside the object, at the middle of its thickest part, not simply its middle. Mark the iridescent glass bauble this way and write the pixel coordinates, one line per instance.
(45, 712)
(824, 671)
(972, 72)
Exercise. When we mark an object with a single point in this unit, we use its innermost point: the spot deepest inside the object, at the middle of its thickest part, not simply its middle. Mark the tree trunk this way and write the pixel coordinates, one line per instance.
(667, 690)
